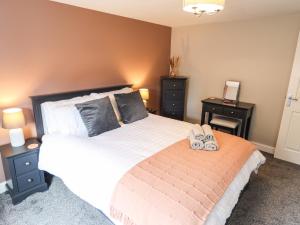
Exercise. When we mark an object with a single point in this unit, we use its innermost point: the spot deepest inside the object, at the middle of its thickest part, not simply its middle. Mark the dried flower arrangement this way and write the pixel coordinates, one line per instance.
(174, 62)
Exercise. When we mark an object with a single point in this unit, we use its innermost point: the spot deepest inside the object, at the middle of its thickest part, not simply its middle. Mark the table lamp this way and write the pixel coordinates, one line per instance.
(145, 95)
(13, 119)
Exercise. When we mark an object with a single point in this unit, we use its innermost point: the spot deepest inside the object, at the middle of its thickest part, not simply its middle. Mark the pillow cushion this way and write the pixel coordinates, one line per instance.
(67, 122)
(98, 116)
(62, 117)
(111, 96)
(131, 107)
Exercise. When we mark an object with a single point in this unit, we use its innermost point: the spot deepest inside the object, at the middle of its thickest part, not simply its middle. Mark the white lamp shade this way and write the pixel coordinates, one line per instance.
(13, 118)
(207, 6)
(144, 93)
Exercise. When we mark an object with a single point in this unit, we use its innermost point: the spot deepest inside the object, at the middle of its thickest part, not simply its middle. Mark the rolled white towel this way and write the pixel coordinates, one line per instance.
(211, 146)
(209, 135)
(195, 144)
(198, 132)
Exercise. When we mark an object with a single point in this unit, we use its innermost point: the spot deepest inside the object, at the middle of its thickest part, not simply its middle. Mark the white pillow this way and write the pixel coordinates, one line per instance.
(68, 121)
(111, 96)
(55, 114)
(62, 116)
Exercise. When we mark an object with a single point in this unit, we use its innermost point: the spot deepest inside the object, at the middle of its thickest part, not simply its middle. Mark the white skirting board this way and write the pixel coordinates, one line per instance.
(2, 187)
(264, 148)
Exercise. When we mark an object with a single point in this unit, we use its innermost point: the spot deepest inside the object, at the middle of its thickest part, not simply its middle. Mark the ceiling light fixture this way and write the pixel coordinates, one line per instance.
(199, 7)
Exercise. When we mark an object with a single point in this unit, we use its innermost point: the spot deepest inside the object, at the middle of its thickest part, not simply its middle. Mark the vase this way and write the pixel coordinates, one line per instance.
(173, 72)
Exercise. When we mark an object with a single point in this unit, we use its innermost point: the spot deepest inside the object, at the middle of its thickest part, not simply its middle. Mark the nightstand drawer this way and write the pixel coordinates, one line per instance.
(29, 180)
(26, 163)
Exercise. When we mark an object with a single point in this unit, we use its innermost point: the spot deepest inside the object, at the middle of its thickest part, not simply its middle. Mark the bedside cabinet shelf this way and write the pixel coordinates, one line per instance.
(23, 177)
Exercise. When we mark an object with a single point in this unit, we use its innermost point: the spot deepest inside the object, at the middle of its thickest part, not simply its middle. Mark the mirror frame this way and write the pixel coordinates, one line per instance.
(237, 94)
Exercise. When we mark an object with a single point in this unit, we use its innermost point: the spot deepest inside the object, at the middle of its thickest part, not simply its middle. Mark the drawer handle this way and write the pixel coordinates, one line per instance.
(27, 163)
(29, 180)
(232, 112)
(213, 109)
(174, 85)
(173, 104)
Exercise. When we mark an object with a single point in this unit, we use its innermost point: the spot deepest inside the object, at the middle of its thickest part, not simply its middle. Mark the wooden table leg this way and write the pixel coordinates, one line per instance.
(209, 118)
(248, 127)
(203, 116)
(243, 128)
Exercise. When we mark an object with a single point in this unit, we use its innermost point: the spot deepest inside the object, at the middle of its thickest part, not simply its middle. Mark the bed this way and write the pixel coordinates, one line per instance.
(92, 167)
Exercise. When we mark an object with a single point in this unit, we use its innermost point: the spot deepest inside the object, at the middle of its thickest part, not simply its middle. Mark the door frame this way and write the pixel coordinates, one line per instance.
(292, 91)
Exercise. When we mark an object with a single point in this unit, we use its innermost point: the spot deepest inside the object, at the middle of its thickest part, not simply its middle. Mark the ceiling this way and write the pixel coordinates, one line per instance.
(169, 12)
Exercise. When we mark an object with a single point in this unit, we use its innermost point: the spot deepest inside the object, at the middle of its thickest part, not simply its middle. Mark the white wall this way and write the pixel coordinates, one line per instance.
(259, 53)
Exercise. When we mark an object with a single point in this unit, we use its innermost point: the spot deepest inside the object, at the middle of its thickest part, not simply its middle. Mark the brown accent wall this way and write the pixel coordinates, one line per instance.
(48, 47)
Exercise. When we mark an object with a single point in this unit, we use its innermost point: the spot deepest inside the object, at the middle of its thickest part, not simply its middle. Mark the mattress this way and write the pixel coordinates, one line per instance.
(91, 167)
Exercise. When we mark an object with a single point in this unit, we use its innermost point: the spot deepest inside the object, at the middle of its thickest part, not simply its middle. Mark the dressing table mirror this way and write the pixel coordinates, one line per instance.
(231, 92)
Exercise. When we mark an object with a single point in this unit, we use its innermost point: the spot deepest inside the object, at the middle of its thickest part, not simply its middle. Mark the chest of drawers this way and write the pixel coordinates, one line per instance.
(173, 92)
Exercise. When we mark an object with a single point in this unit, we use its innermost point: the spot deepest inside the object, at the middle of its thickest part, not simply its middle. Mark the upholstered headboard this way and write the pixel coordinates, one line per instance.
(38, 100)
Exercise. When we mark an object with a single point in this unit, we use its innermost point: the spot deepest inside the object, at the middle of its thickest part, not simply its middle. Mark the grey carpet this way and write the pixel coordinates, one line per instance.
(271, 198)
(57, 206)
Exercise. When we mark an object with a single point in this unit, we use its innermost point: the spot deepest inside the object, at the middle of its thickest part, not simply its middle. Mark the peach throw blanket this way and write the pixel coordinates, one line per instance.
(179, 186)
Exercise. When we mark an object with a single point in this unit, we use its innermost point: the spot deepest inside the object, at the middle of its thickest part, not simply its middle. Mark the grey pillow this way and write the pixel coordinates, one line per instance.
(98, 116)
(131, 106)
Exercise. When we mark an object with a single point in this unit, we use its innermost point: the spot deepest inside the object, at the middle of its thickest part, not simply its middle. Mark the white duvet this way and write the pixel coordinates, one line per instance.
(91, 167)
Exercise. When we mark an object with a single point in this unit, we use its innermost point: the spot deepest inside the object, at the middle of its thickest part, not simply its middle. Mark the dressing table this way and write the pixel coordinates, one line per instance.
(241, 110)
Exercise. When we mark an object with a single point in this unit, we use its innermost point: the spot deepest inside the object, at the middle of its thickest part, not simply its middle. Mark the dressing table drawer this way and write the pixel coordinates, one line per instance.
(214, 109)
(231, 112)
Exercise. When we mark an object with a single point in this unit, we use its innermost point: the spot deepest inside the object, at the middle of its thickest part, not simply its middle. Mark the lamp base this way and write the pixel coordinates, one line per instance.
(16, 137)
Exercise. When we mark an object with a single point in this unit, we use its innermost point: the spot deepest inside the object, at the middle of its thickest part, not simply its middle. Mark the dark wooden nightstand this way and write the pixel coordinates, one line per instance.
(23, 177)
